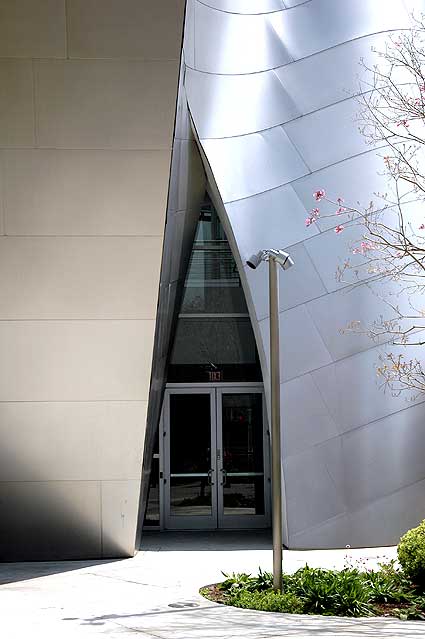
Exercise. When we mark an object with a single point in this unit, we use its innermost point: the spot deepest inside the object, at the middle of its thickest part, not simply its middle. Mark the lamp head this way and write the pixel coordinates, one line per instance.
(255, 259)
(280, 256)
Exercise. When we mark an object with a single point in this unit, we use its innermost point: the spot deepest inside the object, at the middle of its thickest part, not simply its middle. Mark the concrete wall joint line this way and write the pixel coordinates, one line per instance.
(34, 104)
(66, 9)
(2, 197)
(101, 518)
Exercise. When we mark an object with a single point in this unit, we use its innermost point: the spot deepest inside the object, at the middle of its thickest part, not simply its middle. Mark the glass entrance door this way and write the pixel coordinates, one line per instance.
(242, 496)
(215, 458)
(189, 465)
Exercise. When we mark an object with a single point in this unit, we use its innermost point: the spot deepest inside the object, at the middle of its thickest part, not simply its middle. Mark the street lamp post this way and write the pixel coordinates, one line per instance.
(275, 258)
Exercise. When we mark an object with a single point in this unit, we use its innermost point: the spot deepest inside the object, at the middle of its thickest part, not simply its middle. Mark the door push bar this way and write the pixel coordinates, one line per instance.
(210, 477)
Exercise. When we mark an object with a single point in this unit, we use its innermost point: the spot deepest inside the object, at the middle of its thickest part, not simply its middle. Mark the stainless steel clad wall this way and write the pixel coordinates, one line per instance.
(185, 197)
(87, 111)
(270, 87)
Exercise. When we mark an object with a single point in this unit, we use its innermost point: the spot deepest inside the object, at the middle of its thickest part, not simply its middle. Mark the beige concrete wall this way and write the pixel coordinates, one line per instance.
(87, 105)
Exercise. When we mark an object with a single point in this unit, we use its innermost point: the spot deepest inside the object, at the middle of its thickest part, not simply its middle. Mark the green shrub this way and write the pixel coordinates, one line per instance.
(388, 584)
(353, 592)
(411, 553)
(243, 581)
(267, 600)
(333, 592)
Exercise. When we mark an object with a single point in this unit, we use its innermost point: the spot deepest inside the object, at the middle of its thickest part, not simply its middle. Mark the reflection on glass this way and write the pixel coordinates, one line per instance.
(224, 340)
(152, 507)
(242, 432)
(190, 454)
(243, 463)
(205, 344)
(243, 496)
(190, 433)
(152, 504)
(190, 496)
(214, 340)
(212, 283)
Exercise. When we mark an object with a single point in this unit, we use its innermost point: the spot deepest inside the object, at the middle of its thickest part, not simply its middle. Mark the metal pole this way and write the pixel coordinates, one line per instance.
(275, 425)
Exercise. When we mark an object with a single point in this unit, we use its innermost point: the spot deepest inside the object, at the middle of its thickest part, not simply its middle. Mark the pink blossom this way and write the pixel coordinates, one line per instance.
(314, 214)
(340, 210)
(404, 123)
(364, 247)
(318, 195)
(422, 227)
(339, 229)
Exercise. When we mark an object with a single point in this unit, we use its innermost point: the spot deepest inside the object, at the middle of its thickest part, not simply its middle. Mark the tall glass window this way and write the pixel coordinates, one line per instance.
(214, 340)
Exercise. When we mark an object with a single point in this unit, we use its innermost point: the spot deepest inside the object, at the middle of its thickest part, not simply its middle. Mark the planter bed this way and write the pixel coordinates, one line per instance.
(351, 592)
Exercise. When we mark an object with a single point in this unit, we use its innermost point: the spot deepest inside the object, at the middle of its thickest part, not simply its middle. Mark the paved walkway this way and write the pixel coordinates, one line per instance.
(155, 594)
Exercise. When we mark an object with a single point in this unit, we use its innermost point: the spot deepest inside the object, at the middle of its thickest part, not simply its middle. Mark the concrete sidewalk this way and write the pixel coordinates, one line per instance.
(155, 594)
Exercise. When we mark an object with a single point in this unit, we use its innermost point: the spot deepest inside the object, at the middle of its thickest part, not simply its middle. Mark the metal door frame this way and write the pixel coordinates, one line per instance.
(197, 522)
(243, 521)
(217, 519)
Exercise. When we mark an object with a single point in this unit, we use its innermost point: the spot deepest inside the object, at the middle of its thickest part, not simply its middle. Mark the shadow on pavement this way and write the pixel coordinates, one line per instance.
(216, 621)
(207, 540)
(22, 571)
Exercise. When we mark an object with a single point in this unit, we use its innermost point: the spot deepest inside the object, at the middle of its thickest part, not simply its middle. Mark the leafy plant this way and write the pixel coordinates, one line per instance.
(415, 610)
(332, 592)
(236, 581)
(389, 584)
(353, 591)
(264, 580)
(411, 553)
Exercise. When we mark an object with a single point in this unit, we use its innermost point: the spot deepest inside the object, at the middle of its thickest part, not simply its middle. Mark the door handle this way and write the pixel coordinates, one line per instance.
(224, 482)
(210, 475)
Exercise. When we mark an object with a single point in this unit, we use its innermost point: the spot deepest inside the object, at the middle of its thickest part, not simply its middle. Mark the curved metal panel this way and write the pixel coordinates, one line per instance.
(233, 36)
(321, 24)
(329, 249)
(282, 220)
(329, 135)
(271, 100)
(294, 3)
(306, 423)
(310, 90)
(246, 6)
(284, 36)
(345, 179)
(226, 106)
(273, 161)
(349, 375)
(324, 497)
(294, 360)
(359, 302)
